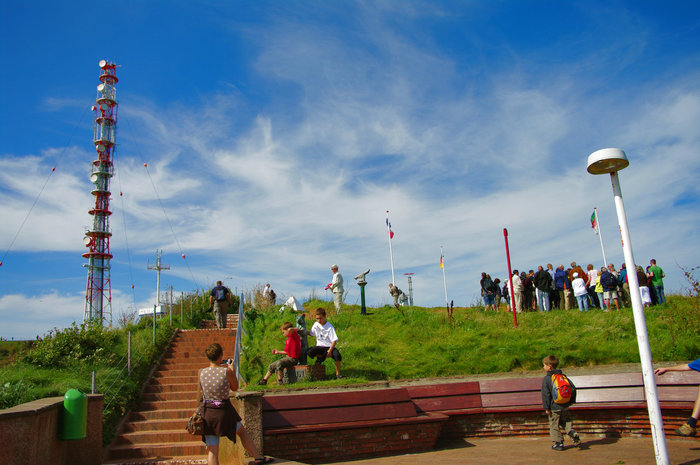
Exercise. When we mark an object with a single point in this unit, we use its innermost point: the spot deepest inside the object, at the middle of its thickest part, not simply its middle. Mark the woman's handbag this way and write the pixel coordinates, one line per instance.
(195, 425)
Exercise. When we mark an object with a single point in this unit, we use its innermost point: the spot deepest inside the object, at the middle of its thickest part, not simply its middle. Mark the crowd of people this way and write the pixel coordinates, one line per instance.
(559, 288)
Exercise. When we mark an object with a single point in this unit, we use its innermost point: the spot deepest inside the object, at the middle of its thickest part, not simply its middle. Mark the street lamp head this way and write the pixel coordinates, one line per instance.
(606, 161)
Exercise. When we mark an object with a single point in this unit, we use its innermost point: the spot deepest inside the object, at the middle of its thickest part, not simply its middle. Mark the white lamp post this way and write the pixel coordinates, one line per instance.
(611, 161)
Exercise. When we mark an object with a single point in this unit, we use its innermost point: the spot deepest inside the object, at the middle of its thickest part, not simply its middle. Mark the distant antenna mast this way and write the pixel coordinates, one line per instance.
(158, 267)
(98, 295)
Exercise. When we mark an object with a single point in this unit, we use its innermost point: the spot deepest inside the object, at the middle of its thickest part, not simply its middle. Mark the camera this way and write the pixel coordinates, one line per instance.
(227, 361)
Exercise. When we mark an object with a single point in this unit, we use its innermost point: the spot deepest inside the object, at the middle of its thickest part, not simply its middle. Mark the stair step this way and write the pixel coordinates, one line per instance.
(154, 437)
(170, 414)
(183, 460)
(155, 425)
(169, 404)
(130, 451)
(160, 396)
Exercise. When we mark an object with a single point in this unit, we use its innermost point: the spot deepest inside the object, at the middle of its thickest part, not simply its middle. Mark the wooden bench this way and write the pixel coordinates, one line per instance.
(610, 404)
(321, 427)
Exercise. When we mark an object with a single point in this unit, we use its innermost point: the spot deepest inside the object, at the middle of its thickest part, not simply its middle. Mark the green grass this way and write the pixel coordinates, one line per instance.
(421, 343)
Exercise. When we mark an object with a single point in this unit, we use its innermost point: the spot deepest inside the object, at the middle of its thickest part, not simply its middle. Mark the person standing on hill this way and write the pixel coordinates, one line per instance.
(609, 281)
(563, 286)
(592, 276)
(657, 281)
(395, 292)
(517, 292)
(487, 291)
(580, 292)
(623, 288)
(496, 293)
(336, 287)
(577, 269)
(529, 298)
(643, 287)
(219, 300)
(543, 284)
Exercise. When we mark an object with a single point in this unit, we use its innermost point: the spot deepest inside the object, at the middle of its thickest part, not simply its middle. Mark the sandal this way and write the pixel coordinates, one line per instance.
(261, 461)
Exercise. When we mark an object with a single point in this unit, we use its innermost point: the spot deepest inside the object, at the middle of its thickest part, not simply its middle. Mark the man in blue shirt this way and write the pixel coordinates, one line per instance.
(219, 301)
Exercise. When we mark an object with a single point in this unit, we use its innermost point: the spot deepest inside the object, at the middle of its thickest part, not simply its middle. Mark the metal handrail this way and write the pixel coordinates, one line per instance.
(237, 349)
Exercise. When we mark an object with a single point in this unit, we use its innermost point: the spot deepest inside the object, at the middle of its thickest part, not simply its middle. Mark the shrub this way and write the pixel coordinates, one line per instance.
(89, 343)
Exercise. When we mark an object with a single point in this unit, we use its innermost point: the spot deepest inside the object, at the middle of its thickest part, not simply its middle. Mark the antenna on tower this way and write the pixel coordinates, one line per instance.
(158, 267)
(98, 293)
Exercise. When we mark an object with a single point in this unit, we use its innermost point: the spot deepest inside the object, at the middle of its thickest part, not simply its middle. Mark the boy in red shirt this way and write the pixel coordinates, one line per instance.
(292, 350)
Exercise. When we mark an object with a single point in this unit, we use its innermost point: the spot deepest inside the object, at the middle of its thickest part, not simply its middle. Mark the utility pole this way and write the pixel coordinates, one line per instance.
(158, 267)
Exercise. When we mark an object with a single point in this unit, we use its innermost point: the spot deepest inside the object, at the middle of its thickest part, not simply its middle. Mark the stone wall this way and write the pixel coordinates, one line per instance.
(30, 434)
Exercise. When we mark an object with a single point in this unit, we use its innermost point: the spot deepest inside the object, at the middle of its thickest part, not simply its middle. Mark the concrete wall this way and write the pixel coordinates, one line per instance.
(30, 434)
(249, 407)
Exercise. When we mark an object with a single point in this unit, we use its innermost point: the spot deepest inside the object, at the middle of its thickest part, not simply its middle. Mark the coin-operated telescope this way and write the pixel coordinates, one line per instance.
(360, 278)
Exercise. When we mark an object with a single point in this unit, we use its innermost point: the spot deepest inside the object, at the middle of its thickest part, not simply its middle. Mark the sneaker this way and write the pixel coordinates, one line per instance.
(262, 382)
(339, 377)
(557, 446)
(686, 430)
(574, 436)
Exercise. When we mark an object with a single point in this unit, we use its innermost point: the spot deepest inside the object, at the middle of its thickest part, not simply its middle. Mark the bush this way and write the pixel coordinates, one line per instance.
(89, 343)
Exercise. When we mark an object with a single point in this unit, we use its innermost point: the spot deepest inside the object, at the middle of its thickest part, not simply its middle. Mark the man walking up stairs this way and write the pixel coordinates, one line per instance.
(155, 431)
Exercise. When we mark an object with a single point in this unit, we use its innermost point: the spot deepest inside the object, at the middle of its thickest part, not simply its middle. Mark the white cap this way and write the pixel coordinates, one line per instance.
(334, 267)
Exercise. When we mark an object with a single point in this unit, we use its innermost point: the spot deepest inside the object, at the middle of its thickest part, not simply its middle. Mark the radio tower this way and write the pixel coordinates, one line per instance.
(98, 295)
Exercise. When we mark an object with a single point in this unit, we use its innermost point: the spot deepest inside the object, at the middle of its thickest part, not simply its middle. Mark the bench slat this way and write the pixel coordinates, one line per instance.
(611, 394)
(423, 419)
(447, 403)
(506, 399)
(608, 380)
(335, 399)
(510, 385)
(442, 390)
(316, 416)
(676, 393)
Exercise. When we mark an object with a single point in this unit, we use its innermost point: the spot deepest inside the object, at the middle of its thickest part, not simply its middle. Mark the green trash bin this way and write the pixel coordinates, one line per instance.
(74, 419)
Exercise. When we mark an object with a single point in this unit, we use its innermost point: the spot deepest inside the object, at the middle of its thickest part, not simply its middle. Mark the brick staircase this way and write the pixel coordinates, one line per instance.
(154, 432)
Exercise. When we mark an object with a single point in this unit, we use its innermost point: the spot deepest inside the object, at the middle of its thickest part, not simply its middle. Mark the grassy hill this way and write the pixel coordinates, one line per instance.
(421, 342)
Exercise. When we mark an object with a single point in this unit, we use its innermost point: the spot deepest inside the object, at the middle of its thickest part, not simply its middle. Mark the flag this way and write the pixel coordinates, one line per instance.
(594, 221)
(388, 226)
(442, 264)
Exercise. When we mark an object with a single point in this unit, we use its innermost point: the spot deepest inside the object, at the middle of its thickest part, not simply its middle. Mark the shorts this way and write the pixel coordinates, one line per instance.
(319, 352)
(284, 362)
(488, 300)
(610, 294)
(213, 440)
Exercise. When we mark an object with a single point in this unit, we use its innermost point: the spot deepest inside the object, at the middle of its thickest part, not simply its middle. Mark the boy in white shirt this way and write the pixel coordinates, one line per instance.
(326, 339)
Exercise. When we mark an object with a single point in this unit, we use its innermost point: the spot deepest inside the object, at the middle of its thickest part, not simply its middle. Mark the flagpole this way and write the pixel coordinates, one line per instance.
(600, 235)
(391, 252)
(444, 281)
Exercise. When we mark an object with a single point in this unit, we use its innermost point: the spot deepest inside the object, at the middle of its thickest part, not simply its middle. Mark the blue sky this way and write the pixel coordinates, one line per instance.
(277, 134)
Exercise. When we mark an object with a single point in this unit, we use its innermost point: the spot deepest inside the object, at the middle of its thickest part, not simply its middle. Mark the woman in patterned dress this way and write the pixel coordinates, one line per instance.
(220, 418)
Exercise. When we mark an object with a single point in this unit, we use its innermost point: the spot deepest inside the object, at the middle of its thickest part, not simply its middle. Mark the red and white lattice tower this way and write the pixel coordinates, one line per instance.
(98, 295)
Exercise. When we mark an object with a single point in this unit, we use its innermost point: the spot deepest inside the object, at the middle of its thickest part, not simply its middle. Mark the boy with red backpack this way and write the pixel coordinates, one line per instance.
(558, 393)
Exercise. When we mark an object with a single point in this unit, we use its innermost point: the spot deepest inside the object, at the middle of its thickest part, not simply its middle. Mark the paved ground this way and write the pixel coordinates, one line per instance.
(536, 451)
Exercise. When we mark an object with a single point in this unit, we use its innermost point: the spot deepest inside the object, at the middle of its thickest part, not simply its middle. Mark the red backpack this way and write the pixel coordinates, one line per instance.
(563, 390)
